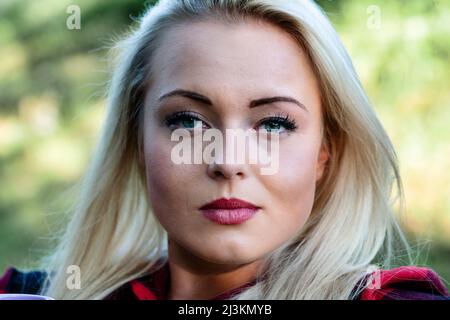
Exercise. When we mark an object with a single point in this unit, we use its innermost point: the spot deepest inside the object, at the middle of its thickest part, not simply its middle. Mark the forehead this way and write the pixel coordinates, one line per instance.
(252, 56)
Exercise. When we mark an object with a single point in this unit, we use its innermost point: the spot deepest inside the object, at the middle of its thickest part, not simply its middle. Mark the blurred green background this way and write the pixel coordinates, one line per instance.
(52, 99)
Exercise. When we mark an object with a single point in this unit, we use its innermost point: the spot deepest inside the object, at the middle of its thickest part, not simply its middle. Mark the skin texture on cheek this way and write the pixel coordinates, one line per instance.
(292, 190)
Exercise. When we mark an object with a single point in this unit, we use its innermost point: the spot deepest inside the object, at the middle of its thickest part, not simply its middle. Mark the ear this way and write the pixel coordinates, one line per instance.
(322, 160)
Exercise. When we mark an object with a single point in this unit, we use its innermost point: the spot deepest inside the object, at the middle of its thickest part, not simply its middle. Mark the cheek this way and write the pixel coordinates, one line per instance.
(164, 178)
(169, 184)
(296, 172)
(292, 188)
(297, 168)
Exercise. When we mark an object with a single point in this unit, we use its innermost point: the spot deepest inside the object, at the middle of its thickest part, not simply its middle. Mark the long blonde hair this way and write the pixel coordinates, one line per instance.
(113, 235)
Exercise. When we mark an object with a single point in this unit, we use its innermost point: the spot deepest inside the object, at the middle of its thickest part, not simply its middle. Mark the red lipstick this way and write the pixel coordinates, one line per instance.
(229, 211)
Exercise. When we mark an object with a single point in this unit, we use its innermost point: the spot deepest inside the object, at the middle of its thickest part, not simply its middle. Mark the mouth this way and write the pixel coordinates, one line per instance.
(229, 211)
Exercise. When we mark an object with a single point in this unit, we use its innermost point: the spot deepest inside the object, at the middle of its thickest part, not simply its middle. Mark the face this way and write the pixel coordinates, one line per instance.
(232, 65)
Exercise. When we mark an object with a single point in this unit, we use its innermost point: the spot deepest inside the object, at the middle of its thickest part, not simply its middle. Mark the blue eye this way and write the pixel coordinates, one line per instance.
(278, 124)
(189, 120)
(185, 120)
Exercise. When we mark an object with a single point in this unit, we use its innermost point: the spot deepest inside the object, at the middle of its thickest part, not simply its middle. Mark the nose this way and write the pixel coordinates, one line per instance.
(227, 170)
(227, 164)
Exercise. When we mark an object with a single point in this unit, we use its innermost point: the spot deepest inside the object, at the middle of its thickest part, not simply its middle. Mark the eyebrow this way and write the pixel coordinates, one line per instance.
(254, 103)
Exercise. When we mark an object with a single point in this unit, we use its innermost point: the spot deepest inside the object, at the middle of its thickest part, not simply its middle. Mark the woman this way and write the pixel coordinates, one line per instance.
(320, 227)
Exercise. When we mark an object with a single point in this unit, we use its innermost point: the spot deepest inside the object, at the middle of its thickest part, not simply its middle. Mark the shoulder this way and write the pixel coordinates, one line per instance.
(405, 283)
(16, 281)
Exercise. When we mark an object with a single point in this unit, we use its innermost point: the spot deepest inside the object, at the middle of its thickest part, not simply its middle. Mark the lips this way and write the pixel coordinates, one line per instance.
(229, 204)
(229, 211)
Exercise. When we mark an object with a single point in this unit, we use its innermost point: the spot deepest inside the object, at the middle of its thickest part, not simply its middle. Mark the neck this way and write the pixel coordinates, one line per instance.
(192, 278)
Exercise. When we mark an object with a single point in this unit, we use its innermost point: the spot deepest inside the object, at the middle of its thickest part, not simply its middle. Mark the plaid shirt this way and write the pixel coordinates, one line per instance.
(403, 283)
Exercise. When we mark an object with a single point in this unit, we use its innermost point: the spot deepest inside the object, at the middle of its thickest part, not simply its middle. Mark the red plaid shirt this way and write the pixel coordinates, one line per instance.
(403, 283)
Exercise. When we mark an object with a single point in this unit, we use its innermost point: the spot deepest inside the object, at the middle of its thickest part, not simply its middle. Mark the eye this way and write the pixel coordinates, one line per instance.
(278, 124)
(186, 120)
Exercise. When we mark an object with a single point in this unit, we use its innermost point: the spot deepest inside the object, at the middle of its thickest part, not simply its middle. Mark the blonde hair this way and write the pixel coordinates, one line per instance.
(113, 235)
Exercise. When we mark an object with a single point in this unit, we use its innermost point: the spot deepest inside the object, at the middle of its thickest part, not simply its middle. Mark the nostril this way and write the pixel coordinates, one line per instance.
(219, 174)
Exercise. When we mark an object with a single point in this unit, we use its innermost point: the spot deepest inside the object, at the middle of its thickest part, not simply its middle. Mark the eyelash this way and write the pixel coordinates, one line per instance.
(182, 115)
(283, 119)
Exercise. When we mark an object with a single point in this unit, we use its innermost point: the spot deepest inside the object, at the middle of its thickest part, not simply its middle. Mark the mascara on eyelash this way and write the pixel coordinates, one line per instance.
(289, 123)
(283, 119)
(179, 115)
